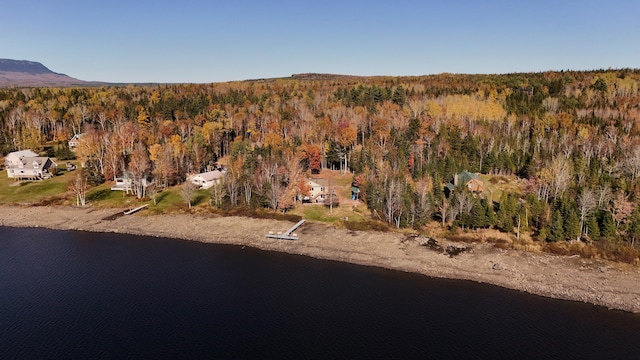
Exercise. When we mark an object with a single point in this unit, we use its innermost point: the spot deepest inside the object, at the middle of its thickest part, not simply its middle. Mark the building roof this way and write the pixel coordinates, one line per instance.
(211, 175)
(41, 160)
(27, 161)
(23, 153)
(464, 177)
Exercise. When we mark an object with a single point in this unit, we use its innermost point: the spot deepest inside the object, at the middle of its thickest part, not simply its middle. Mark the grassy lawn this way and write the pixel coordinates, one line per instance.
(168, 200)
(325, 214)
(28, 192)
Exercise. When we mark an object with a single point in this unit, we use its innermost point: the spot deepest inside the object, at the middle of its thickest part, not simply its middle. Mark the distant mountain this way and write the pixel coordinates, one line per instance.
(23, 73)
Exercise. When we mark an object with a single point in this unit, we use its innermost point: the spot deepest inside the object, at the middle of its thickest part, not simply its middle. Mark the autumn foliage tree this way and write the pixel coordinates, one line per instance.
(560, 133)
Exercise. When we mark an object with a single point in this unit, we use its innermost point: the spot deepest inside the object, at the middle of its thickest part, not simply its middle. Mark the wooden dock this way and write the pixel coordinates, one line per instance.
(288, 235)
(129, 212)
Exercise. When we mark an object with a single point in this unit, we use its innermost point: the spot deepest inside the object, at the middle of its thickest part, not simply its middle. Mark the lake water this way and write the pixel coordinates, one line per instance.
(66, 294)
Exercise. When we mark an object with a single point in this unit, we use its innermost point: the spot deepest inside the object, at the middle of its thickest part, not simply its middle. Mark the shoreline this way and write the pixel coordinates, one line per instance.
(607, 284)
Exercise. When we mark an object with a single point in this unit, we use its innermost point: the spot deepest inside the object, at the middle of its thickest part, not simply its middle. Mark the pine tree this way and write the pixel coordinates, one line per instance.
(556, 230)
(607, 225)
(478, 216)
(572, 226)
(593, 228)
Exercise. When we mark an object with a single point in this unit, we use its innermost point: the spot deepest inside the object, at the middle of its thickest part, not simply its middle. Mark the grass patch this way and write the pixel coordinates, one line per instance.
(166, 201)
(31, 192)
(366, 225)
(496, 185)
(200, 197)
(611, 250)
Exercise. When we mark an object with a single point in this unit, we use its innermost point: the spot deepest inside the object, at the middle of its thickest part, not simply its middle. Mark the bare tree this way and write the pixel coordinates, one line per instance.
(562, 175)
(443, 209)
(217, 192)
(273, 195)
(246, 184)
(139, 166)
(464, 202)
(187, 190)
(152, 192)
(423, 208)
(393, 202)
(587, 201)
(78, 185)
(604, 195)
(631, 164)
(233, 188)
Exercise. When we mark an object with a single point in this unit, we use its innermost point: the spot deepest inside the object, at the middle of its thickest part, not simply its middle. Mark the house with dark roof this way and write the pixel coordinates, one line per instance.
(472, 181)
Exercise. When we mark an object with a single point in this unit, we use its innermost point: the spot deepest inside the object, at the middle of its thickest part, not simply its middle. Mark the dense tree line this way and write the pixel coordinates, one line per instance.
(573, 137)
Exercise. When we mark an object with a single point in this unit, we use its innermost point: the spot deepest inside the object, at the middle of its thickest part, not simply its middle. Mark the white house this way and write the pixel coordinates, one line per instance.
(316, 192)
(73, 143)
(123, 184)
(207, 179)
(28, 165)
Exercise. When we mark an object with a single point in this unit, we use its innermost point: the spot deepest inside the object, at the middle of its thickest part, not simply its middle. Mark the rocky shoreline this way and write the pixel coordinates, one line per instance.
(612, 285)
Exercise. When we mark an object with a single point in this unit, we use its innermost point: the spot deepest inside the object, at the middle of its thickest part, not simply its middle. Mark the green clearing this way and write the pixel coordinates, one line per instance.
(32, 192)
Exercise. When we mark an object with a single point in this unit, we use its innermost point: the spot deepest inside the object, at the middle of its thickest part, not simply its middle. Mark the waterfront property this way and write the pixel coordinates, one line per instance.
(316, 192)
(207, 179)
(27, 165)
(123, 184)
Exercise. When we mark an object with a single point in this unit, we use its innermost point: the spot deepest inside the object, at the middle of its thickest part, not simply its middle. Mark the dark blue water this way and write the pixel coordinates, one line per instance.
(82, 295)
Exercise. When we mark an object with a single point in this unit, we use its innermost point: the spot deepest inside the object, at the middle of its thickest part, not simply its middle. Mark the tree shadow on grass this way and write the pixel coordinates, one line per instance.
(160, 196)
(99, 195)
(198, 199)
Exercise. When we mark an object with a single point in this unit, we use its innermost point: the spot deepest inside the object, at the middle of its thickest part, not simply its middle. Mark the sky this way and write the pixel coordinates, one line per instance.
(189, 41)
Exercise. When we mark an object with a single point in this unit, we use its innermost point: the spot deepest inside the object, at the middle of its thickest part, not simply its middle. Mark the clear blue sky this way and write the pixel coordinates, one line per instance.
(211, 41)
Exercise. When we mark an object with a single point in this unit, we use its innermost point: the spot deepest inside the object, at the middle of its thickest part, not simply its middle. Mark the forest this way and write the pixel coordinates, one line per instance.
(571, 138)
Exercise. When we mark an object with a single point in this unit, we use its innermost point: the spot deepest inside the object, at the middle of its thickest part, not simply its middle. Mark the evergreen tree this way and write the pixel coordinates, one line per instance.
(634, 227)
(556, 230)
(478, 216)
(64, 153)
(490, 212)
(507, 210)
(593, 228)
(572, 226)
(607, 225)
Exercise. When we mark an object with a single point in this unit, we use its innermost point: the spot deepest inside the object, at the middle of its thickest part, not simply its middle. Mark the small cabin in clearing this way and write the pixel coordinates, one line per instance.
(472, 181)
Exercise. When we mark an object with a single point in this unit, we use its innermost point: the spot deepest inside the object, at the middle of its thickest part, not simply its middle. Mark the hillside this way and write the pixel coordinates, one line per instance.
(23, 73)
(559, 152)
